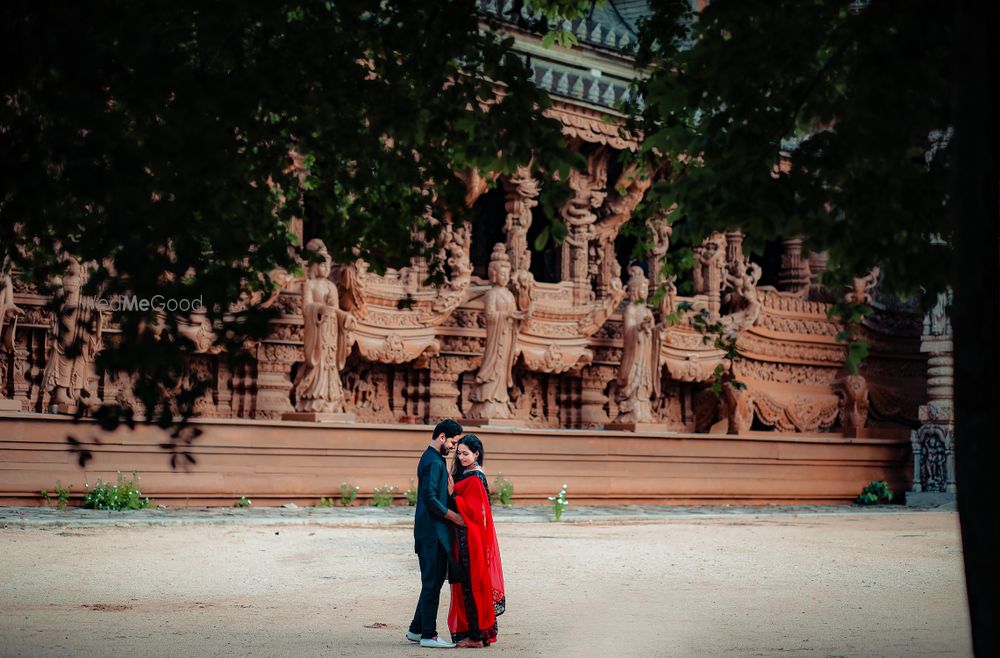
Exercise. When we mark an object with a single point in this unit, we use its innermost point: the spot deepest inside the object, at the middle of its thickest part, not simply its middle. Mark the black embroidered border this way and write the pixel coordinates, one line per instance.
(471, 616)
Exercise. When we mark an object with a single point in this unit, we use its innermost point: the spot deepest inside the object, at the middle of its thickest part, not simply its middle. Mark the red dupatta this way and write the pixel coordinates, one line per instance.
(480, 597)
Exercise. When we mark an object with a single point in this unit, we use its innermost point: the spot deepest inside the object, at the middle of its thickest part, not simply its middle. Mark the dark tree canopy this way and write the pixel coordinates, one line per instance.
(829, 120)
(169, 145)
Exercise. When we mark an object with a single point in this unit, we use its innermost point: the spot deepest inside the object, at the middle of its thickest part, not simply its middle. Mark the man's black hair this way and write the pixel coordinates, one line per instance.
(448, 427)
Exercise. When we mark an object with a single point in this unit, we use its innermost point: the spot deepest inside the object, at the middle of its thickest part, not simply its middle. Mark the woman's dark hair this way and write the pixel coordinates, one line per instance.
(472, 442)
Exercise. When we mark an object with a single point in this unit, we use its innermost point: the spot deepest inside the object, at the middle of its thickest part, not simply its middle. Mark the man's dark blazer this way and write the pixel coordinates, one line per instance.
(432, 501)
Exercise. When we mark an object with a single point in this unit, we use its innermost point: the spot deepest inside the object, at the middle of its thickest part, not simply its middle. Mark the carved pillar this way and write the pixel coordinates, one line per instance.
(794, 273)
(21, 369)
(734, 249)
(6, 366)
(274, 379)
(415, 396)
(242, 383)
(817, 265)
(109, 386)
(521, 196)
(711, 257)
(444, 372)
(588, 194)
(934, 442)
(202, 371)
(592, 398)
(223, 390)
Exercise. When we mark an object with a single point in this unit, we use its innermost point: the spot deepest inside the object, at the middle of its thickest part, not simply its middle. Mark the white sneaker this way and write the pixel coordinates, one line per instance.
(437, 643)
(412, 637)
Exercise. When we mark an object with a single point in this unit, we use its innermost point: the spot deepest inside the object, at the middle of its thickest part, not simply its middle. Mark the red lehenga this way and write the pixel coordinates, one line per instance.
(478, 596)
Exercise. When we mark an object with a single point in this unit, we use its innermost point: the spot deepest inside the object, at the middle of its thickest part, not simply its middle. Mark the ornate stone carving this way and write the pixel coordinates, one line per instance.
(639, 374)
(521, 196)
(794, 275)
(366, 394)
(853, 393)
(326, 338)
(9, 312)
(737, 407)
(743, 304)
(710, 272)
(797, 413)
(934, 442)
(590, 126)
(628, 191)
(271, 381)
(933, 460)
(861, 290)
(589, 193)
(491, 395)
(660, 231)
(784, 373)
(69, 372)
(443, 389)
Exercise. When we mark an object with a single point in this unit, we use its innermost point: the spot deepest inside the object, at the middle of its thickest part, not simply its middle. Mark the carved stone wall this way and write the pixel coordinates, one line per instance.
(419, 362)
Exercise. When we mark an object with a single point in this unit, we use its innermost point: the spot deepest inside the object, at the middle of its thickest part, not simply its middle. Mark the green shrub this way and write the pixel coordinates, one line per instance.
(348, 492)
(559, 503)
(503, 491)
(124, 495)
(876, 492)
(411, 494)
(325, 502)
(243, 502)
(382, 496)
(62, 495)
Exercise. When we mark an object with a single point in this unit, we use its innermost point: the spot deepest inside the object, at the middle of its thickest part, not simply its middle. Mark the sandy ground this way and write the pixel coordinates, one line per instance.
(795, 585)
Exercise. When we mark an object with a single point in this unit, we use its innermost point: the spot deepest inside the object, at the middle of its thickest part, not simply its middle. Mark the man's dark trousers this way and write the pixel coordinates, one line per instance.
(433, 570)
(432, 539)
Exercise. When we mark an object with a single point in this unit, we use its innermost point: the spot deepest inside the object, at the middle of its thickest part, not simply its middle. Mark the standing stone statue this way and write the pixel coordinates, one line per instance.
(8, 326)
(325, 338)
(76, 341)
(639, 375)
(490, 395)
(8, 311)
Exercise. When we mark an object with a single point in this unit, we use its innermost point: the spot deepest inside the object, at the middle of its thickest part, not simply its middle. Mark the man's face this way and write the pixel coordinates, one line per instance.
(446, 444)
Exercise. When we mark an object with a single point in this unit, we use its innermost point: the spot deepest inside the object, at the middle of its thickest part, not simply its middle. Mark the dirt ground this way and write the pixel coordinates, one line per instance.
(795, 585)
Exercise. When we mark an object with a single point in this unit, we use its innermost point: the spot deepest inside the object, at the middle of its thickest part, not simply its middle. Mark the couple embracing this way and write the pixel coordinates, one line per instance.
(455, 539)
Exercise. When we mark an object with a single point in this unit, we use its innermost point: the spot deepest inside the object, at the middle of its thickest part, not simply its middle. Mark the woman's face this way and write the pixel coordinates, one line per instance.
(465, 456)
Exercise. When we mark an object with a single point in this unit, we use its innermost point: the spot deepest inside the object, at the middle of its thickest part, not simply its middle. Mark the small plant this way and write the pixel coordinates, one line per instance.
(124, 495)
(876, 492)
(382, 496)
(411, 494)
(325, 502)
(503, 491)
(243, 502)
(62, 495)
(348, 492)
(559, 503)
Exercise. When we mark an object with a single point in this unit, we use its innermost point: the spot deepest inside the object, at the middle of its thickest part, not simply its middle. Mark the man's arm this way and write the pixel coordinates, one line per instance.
(432, 495)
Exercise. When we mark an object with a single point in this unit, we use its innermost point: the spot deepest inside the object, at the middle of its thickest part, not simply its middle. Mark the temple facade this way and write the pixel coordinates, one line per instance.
(526, 344)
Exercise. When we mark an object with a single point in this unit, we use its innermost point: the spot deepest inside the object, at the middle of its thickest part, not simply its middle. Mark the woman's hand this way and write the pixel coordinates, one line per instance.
(451, 484)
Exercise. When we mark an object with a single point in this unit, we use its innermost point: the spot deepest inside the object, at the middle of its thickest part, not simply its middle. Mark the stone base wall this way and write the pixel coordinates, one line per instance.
(275, 462)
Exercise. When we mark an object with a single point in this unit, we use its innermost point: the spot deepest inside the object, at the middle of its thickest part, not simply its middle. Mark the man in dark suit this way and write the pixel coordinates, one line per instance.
(432, 537)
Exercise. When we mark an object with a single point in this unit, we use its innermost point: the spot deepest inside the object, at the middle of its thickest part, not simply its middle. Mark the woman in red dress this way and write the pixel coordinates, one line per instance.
(477, 591)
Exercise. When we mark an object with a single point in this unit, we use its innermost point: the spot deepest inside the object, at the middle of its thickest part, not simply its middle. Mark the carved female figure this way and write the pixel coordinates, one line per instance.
(639, 374)
(77, 336)
(8, 311)
(326, 345)
(490, 395)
